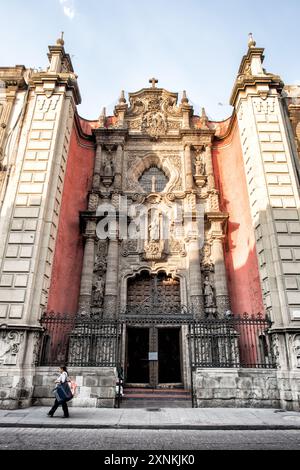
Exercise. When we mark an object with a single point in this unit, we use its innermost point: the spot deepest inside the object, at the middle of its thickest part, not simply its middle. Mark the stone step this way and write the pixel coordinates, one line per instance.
(157, 398)
(154, 405)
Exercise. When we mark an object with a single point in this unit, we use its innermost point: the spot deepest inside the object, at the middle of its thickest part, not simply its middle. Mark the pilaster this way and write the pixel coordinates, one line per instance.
(272, 187)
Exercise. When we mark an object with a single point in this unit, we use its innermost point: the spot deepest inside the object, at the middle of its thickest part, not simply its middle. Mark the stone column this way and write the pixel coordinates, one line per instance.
(6, 112)
(209, 168)
(87, 270)
(118, 167)
(195, 287)
(217, 254)
(112, 277)
(189, 182)
(97, 167)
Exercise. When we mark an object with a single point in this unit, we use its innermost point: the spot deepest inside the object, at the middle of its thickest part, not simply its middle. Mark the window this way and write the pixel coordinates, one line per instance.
(153, 180)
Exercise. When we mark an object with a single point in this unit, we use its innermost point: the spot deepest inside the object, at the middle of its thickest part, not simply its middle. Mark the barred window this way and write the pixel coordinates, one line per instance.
(153, 180)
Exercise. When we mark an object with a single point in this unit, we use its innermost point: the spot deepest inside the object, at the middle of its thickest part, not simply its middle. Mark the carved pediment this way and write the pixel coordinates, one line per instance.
(153, 111)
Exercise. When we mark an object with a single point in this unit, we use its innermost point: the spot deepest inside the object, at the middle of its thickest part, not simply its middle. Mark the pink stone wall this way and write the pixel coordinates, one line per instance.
(239, 249)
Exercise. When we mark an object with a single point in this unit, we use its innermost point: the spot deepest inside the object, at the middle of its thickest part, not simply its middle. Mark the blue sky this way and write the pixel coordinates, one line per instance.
(194, 45)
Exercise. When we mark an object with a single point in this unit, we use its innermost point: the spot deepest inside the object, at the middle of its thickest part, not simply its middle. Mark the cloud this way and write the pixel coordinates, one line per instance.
(68, 8)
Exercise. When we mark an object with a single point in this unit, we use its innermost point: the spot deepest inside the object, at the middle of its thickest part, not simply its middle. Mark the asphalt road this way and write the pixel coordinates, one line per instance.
(112, 439)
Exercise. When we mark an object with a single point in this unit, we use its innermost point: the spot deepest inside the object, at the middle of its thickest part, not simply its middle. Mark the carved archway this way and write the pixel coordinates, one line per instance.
(153, 160)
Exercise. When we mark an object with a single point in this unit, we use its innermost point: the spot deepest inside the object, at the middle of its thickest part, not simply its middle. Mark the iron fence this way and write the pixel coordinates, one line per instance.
(237, 341)
(79, 341)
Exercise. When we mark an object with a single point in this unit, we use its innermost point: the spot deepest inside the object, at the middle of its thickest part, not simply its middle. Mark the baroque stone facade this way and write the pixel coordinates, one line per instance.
(154, 209)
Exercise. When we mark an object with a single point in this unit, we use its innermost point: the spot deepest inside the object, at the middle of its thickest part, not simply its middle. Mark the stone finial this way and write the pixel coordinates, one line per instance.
(122, 98)
(251, 42)
(102, 117)
(60, 41)
(204, 118)
(184, 99)
(203, 114)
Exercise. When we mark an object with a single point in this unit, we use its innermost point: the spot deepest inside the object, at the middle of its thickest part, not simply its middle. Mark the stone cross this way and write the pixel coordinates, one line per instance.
(153, 81)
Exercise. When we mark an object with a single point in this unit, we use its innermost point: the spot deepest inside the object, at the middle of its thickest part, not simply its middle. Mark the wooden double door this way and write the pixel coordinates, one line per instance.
(153, 356)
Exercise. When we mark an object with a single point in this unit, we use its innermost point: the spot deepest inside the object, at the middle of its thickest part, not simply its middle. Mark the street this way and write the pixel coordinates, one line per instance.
(128, 439)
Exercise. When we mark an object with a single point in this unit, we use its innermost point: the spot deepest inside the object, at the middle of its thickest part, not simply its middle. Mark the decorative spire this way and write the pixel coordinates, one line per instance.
(204, 118)
(122, 98)
(251, 42)
(60, 41)
(184, 99)
(203, 114)
(102, 117)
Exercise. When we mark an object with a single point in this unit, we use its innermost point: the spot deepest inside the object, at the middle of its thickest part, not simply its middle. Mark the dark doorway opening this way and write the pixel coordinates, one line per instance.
(169, 355)
(137, 355)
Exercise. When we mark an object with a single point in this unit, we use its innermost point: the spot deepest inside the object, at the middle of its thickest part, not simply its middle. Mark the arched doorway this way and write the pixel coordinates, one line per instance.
(153, 348)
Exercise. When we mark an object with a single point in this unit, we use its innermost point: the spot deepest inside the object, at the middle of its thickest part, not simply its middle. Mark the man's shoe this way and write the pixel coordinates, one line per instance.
(50, 415)
(66, 416)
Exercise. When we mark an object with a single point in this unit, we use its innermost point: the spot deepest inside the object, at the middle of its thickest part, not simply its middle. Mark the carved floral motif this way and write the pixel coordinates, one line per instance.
(10, 342)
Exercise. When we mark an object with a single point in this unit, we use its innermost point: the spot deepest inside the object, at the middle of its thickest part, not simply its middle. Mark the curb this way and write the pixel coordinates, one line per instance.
(225, 427)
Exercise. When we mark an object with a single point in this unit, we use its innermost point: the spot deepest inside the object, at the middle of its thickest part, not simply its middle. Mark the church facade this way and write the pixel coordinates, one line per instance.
(154, 241)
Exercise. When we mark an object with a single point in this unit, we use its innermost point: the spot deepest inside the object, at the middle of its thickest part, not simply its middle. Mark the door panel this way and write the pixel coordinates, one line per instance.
(137, 355)
(169, 355)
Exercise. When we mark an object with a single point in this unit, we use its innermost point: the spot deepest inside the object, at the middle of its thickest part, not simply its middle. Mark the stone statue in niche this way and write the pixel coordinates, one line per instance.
(297, 351)
(98, 289)
(154, 229)
(154, 246)
(108, 173)
(108, 168)
(199, 164)
(199, 176)
(208, 293)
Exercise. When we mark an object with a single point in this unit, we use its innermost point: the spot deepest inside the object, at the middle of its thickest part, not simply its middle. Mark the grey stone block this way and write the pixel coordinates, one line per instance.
(90, 381)
(245, 383)
(6, 381)
(107, 381)
(4, 393)
(206, 393)
(224, 394)
(43, 392)
(38, 380)
(105, 403)
(228, 382)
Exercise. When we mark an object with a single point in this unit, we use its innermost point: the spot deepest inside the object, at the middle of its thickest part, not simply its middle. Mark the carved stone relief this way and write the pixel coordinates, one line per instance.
(295, 341)
(205, 257)
(209, 297)
(93, 202)
(10, 342)
(129, 247)
(275, 346)
(177, 246)
(99, 277)
(264, 106)
(150, 111)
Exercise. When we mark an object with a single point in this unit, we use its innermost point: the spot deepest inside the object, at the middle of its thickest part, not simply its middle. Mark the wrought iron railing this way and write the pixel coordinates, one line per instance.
(237, 341)
(79, 341)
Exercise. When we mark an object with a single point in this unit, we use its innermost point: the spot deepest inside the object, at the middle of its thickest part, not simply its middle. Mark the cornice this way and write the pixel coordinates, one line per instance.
(245, 81)
(13, 77)
(67, 79)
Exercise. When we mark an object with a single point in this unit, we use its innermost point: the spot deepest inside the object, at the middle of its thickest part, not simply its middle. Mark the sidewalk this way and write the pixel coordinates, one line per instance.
(161, 418)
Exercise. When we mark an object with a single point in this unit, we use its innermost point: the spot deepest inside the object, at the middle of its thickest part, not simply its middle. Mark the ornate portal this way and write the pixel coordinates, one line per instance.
(162, 183)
